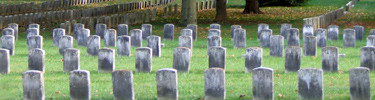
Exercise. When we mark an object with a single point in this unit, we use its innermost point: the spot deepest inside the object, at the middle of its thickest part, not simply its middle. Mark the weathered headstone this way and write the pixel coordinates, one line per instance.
(106, 61)
(265, 36)
(36, 59)
(153, 42)
(292, 59)
(261, 27)
(166, 82)
(146, 30)
(93, 45)
(99, 30)
(321, 37)
(194, 28)
(263, 83)
(232, 30)
(216, 57)
(308, 30)
(31, 32)
(293, 37)
(123, 45)
(71, 59)
(213, 41)
(359, 30)
(82, 37)
(309, 46)
(153, 17)
(122, 82)
(33, 85)
(359, 79)
(349, 37)
(143, 59)
(79, 81)
(35, 41)
(168, 31)
(310, 84)
(122, 29)
(333, 32)
(77, 29)
(239, 38)
(4, 61)
(110, 38)
(253, 58)
(368, 57)
(370, 40)
(7, 31)
(181, 59)
(330, 59)
(215, 26)
(284, 30)
(214, 32)
(372, 32)
(65, 42)
(277, 46)
(185, 41)
(37, 26)
(14, 26)
(136, 37)
(214, 84)
(7, 42)
(186, 32)
(57, 34)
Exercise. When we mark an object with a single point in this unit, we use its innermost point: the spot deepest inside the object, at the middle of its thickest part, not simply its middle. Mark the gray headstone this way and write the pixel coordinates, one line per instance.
(368, 57)
(166, 82)
(215, 26)
(359, 78)
(153, 17)
(185, 41)
(330, 59)
(310, 84)
(31, 32)
(293, 37)
(146, 30)
(35, 41)
(143, 59)
(359, 30)
(153, 42)
(284, 29)
(57, 34)
(253, 58)
(214, 32)
(213, 41)
(232, 30)
(292, 58)
(239, 38)
(122, 29)
(214, 84)
(261, 27)
(123, 45)
(71, 59)
(7, 31)
(33, 85)
(265, 36)
(79, 81)
(136, 37)
(99, 30)
(308, 30)
(194, 28)
(65, 42)
(4, 61)
(186, 32)
(349, 37)
(168, 31)
(7, 42)
(110, 38)
(36, 59)
(216, 57)
(277, 46)
(263, 83)
(14, 26)
(372, 32)
(77, 29)
(37, 26)
(93, 45)
(181, 59)
(82, 37)
(106, 60)
(333, 32)
(309, 46)
(321, 37)
(370, 40)
(122, 82)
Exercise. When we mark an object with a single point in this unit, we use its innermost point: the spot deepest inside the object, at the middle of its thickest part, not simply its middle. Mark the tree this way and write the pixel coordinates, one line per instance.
(188, 12)
(252, 6)
(221, 11)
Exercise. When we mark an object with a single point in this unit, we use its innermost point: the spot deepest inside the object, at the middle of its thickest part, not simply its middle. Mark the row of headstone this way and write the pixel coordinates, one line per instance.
(207, 4)
(325, 19)
(169, 11)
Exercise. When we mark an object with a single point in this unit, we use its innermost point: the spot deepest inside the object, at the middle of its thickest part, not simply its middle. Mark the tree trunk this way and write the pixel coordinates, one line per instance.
(221, 11)
(188, 12)
(252, 6)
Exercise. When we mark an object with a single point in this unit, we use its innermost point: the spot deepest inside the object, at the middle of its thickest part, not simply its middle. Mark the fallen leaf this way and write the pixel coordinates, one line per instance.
(340, 71)
(278, 75)
(201, 46)
(62, 59)
(281, 96)
(330, 84)
(242, 95)
(233, 55)
(57, 92)
(200, 98)
(296, 90)
(191, 91)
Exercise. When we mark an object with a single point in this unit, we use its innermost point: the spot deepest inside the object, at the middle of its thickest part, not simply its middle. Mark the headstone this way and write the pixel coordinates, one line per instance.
(265, 36)
(263, 84)
(368, 57)
(123, 45)
(110, 38)
(186, 32)
(194, 28)
(4, 61)
(64, 43)
(77, 29)
(214, 84)
(99, 30)
(31, 32)
(14, 26)
(239, 38)
(37, 26)
(213, 41)
(349, 37)
(293, 37)
(253, 58)
(36, 59)
(136, 37)
(284, 29)
(321, 37)
(57, 34)
(106, 61)
(143, 59)
(35, 41)
(359, 30)
(168, 31)
(33, 85)
(333, 32)
(370, 40)
(146, 30)
(261, 27)
(7, 31)
(79, 81)
(181, 59)
(359, 79)
(122, 82)
(330, 59)
(82, 37)
(71, 59)
(372, 32)
(292, 59)
(276, 46)
(309, 46)
(216, 57)
(308, 30)
(93, 45)
(166, 82)
(214, 32)
(122, 29)
(215, 26)
(153, 42)
(232, 30)
(153, 17)
(310, 84)
(7, 42)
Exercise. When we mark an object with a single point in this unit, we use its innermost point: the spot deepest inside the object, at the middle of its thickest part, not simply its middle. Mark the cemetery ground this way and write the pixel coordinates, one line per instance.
(191, 85)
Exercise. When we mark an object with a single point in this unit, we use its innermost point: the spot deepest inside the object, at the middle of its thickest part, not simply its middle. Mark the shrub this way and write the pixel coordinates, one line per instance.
(282, 2)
